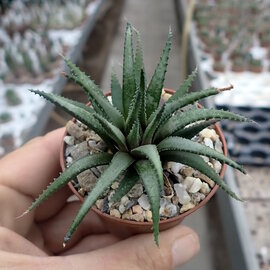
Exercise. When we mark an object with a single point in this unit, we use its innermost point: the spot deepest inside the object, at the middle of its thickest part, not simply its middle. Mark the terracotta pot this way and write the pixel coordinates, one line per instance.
(125, 228)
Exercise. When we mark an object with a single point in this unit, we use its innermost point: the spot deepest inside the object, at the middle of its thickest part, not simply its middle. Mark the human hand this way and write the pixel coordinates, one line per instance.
(35, 240)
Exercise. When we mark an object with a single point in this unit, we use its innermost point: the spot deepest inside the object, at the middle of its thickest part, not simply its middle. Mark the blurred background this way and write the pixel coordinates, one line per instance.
(229, 42)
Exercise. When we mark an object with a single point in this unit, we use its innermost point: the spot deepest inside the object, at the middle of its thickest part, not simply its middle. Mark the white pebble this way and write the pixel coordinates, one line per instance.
(196, 186)
(175, 167)
(181, 193)
(208, 142)
(144, 202)
(205, 189)
(69, 140)
(186, 207)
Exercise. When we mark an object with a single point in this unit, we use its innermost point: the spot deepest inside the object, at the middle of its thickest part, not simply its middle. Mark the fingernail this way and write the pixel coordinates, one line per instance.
(184, 248)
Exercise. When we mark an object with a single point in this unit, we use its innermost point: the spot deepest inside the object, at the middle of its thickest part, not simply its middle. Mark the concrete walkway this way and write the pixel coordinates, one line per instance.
(153, 18)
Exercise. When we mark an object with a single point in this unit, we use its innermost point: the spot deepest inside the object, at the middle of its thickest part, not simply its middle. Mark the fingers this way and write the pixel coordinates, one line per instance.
(31, 168)
(177, 246)
(92, 242)
(54, 229)
(13, 242)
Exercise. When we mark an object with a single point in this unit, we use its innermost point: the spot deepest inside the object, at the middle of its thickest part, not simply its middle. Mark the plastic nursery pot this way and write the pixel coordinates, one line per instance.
(125, 228)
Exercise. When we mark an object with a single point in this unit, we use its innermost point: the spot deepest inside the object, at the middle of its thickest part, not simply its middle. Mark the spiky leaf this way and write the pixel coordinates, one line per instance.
(143, 117)
(154, 89)
(191, 131)
(134, 137)
(120, 162)
(183, 88)
(185, 145)
(71, 173)
(178, 103)
(138, 62)
(150, 152)
(116, 93)
(79, 111)
(134, 111)
(97, 96)
(115, 133)
(130, 179)
(199, 164)
(148, 175)
(182, 119)
(129, 83)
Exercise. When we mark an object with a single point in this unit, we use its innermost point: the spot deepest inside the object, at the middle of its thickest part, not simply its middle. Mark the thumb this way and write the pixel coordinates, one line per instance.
(177, 246)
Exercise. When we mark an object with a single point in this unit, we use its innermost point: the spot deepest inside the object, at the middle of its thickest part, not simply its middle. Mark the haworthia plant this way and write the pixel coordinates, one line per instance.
(141, 133)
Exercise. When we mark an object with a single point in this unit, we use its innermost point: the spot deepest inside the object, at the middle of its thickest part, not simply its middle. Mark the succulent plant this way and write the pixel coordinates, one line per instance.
(140, 132)
(12, 97)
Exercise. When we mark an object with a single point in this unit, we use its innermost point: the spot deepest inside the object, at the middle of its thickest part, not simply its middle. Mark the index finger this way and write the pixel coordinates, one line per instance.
(31, 168)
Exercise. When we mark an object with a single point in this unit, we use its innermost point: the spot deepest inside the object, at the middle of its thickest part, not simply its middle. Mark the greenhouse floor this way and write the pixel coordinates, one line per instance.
(153, 19)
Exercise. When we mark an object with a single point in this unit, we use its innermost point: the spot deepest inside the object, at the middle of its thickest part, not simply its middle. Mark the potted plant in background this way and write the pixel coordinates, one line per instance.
(255, 65)
(156, 144)
(238, 64)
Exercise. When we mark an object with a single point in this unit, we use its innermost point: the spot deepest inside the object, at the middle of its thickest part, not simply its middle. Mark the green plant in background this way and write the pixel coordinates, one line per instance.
(12, 98)
(141, 133)
(5, 117)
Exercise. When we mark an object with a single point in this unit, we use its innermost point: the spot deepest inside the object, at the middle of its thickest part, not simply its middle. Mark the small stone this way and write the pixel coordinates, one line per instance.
(167, 209)
(175, 200)
(137, 217)
(217, 166)
(136, 191)
(188, 182)
(115, 185)
(69, 140)
(87, 180)
(205, 189)
(186, 207)
(219, 146)
(115, 213)
(196, 186)
(111, 193)
(148, 215)
(175, 167)
(68, 150)
(197, 197)
(208, 142)
(209, 133)
(187, 171)
(81, 191)
(102, 146)
(122, 208)
(181, 193)
(206, 159)
(69, 161)
(127, 214)
(179, 177)
(130, 204)
(99, 204)
(206, 179)
(105, 205)
(144, 202)
(210, 164)
(74, 130)
(80, 150)
(124, 200)
(93, 146)
(136, 209)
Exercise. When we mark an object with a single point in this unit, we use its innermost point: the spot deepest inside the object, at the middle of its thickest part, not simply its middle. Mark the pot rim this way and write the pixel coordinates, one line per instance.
(146, 223)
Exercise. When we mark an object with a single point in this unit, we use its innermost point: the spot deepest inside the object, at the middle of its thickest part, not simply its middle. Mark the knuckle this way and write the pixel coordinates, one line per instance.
(147, 259)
